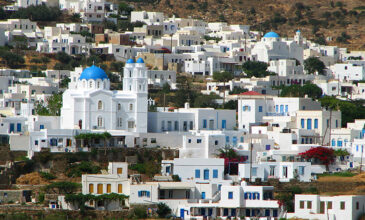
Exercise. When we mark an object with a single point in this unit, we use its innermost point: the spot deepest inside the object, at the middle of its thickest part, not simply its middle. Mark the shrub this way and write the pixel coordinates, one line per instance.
(85, 167)
(163, 210)
(47, 176)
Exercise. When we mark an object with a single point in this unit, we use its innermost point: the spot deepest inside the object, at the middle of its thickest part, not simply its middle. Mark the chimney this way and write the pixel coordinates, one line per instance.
(187, 105)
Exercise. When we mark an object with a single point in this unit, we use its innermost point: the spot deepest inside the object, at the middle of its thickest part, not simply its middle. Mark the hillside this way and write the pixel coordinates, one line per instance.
(340, 20)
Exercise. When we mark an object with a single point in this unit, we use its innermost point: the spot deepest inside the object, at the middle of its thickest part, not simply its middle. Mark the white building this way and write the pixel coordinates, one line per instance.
(105, 109)
(348, 71)
(284, 171)
(328, 207)
(272, 47)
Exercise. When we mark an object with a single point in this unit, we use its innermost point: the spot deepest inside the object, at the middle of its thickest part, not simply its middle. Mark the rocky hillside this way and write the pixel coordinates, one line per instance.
(339, 22)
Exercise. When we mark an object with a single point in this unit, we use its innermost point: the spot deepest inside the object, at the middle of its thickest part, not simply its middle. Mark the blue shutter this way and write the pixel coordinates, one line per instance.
(206, 174)
(224, 124)
(309, 124)
(277, 108)
(258, 196)
(315, 123)
(230, 195)
(18, 127)
(302, 123)
(260, 108)
(139, 194)
(286, 108)
(281, 108)
(41, 126)
(203, 195)
(148, 194)
(246, 195)
(204, 123)
(11, 129)
(197, 173)
(333, 143)
(268, 147)
(215, 173)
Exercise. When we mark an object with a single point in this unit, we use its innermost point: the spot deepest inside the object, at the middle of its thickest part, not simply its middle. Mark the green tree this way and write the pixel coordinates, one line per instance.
(163, 210)
(312, 90)
(223, 77)
(52, 107)
(313, 65)
(63, 187)
(166, 88)
(64, 82)
(255, 69)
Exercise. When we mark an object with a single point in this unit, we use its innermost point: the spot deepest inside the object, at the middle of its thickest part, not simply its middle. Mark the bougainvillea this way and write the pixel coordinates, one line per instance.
(323, 154)
(231, 160)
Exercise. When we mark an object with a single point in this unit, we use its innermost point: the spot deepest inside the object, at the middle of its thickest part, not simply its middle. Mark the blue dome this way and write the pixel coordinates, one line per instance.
(272, 34)
(298, 31)
(94, 73)
(140, 60)
(130, 61)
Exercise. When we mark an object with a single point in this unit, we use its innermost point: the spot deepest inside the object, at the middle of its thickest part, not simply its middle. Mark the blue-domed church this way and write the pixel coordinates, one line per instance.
(89, 104)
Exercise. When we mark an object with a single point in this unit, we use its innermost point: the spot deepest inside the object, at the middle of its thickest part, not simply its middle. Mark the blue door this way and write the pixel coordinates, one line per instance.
(203, 211)
(11, 129)
(309, 124)
(210, 211)
(182, 213)
(206, 174)
(281, 108)
(233, 212)
(18, 127)
(224, 124)
(203, 195)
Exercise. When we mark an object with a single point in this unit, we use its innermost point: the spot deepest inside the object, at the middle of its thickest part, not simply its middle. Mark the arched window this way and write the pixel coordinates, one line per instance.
(100, 122)
(130, 73)
(119, 107)
(98, 85)
(90, 84)
(100, 105)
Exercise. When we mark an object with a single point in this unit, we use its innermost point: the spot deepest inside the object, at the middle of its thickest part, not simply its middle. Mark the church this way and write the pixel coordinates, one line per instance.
(89, 104)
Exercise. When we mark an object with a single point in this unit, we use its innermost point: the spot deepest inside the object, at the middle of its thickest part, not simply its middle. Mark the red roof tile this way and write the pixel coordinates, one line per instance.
(251, 93)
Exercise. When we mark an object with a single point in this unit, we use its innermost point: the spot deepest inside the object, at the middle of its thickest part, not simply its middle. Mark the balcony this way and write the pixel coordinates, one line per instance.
(277, 113)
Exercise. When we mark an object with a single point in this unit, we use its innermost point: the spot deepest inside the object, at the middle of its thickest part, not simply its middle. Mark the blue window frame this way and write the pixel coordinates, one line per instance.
(230, 195)
(268, 147)
(260, 108)
(18, 127)
(197, 173)
(11, 129)
(281, 108)
(246, 195)
(203, 195)
(204, 123)
(267, 212)
(206, 174)
(215, 173)
(224, 124)
(277, 108)
(275, 213)
(339, 143)
(227, 139)
(357, 148)
(234, 141)
(302, 123)
(41, 126)
(316, 123)
(286, 108)
(254, 171)
(309, 124)
(333, 142)
(336, 123)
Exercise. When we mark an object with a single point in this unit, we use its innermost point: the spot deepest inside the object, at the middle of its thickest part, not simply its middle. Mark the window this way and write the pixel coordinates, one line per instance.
(339, 143)
(119, 170)
(286, 108)
(309, 124)
(91, 188)
(268, 147)
(130, 124)
(301, 204)
(336, 123)
(130, 107)
(197, 173)
(301, 170)
(120, 188)
(321, 208)
(309, 204)
(260, 108)
(316, 123)
(108, 188)
(100, 122)
(215, 174)
(204, 123)
(342, 205)
(144, 193)
(224, 124)
(242, 139)
(198, 141)
(329, 205)
(119, 122)
(216, 142)
(203, 195)
(333, 142)
(119, 107)
(227, 139)
(206, 174)
(254, 171)
(357, 205)
(100, 189)
(302, 123)
(230, 195)
(100, 105)
(176, 125)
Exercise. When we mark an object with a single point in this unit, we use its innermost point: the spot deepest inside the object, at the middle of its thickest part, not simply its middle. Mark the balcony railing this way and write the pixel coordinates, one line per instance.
(277, 113)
